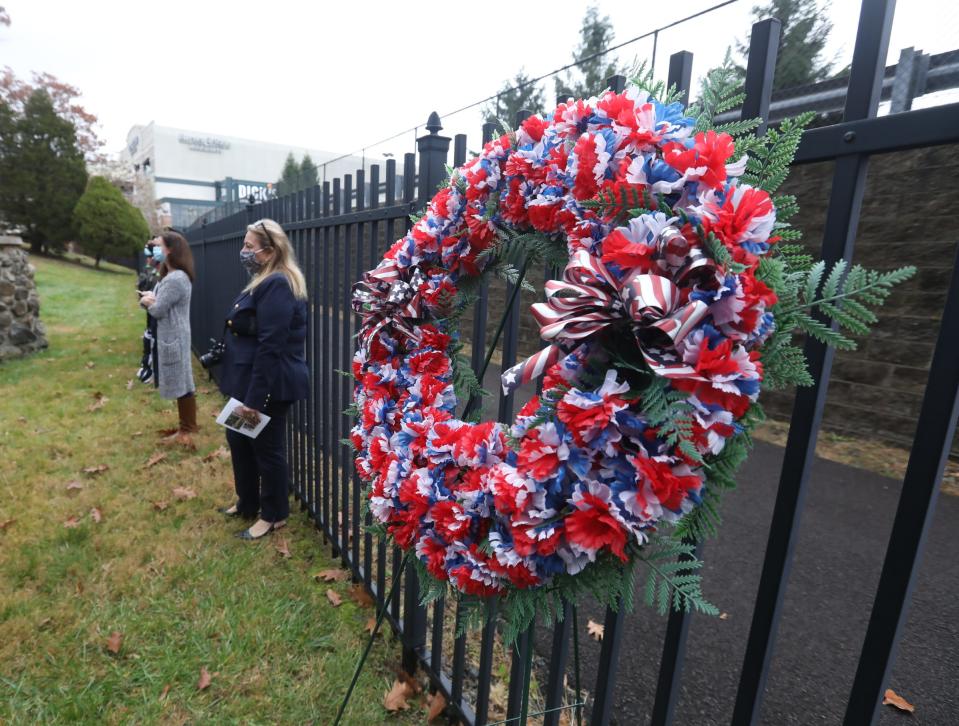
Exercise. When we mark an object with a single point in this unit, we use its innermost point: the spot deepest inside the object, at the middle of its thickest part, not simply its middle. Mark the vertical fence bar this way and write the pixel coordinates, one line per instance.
(486, 664)
(681, 73)
(433, 150)
(314, 242)
(358, 269)
(335, 402)
(555, 679)
(617, 83)
(608, 658)
(842, 218)
(381, 540)
(343, 364)
(325, 505)
(374, 233)
(518, 683)
(917, 503)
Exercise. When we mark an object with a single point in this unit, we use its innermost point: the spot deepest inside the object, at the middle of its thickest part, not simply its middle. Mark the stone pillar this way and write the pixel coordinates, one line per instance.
(21, 331)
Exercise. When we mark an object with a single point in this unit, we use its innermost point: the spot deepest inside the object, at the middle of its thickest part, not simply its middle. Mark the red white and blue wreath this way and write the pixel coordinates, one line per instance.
(681, 292)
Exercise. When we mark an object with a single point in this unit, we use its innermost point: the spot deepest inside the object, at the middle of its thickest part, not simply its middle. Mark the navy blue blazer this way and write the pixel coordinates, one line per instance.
(265, 360)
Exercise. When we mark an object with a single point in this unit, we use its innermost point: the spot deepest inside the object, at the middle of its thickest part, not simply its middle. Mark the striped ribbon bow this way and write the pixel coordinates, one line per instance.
(385, 299)
(589, 298)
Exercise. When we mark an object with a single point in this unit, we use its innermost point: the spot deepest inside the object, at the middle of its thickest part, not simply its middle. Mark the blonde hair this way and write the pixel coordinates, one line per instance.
(271, 236)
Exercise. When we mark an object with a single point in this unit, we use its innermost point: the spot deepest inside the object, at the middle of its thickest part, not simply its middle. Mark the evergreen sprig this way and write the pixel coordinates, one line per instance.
(670, 412)
(671, 580)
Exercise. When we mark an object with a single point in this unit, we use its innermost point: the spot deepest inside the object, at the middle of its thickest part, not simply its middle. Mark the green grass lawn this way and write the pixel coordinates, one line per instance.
(166, 573)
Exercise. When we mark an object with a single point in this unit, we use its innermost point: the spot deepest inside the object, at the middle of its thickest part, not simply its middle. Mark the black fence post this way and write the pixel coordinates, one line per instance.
(681, 74)
(433, 150)
(842, 219)
(761, 70)
(617, 83)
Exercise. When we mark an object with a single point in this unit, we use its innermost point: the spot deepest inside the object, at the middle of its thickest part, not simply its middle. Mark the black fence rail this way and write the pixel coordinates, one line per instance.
(338, 234)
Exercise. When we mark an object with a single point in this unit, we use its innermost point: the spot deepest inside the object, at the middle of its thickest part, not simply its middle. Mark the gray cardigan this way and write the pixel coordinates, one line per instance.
(172, 312)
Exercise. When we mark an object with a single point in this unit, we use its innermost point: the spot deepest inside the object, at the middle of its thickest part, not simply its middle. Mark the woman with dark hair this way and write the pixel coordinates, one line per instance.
(169, 303)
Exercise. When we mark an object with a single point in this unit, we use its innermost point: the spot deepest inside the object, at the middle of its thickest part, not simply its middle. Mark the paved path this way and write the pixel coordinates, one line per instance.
(845, 529)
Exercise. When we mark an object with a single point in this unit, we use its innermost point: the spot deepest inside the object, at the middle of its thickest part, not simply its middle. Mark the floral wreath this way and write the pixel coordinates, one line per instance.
(681, 292)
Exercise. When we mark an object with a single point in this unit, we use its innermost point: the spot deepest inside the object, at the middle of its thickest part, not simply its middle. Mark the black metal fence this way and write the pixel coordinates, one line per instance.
(339, 233)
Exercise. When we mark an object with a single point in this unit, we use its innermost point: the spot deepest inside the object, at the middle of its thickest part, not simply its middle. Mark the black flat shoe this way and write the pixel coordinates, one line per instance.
(245, 534)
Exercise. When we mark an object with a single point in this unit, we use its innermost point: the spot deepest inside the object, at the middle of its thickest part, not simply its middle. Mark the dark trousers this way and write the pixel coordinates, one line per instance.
(259, 468)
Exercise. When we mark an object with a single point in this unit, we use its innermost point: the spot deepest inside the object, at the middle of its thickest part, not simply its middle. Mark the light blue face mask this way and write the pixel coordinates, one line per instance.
(158, 254)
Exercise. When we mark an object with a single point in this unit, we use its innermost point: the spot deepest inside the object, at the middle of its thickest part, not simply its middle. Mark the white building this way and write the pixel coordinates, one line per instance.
(193, 171)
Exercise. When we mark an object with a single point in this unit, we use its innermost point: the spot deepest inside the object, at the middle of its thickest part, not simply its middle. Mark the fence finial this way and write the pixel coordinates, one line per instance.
(433, 124)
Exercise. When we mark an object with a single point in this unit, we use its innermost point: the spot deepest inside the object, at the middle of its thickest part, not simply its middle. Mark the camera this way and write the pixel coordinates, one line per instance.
(214, 355)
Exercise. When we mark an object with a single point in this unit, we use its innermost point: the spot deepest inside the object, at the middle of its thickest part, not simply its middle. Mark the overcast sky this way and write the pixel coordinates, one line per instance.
(341, 76)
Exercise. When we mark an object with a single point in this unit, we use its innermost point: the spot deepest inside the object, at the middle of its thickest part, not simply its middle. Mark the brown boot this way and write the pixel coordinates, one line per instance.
(186, 409)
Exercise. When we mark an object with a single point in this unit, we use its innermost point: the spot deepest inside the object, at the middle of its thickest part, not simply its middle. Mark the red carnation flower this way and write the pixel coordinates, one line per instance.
(595, 527)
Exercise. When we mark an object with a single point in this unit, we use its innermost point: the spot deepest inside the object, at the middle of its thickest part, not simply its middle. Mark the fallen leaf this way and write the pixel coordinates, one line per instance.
(334, 598)
(724, 616)
(155, 459)
(74, 485)
(71, 523)
(96, 515)
(437, 704)
(282, 546)
(22, 419)
(90, 364)
(395, 699)
(205, 679)
(891, 698)
(99, 401)
(184, 493)
(79, 587)
(114, 642)
(332, 575)
(166, 690)
(97, 469)
(130, 385)
(361, 597)
(595, 630)
(221, 453)
(160, 506)
(370, 625)
(6, 523)
(135, 434)
(410, 681)
(44, 623)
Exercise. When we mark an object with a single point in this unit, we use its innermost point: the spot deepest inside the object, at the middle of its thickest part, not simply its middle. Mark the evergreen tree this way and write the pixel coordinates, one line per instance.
(42, 172)
(106, 223)
(289, 181)
(308, 173)
(589, 76)
(515, 95)
(805, 32)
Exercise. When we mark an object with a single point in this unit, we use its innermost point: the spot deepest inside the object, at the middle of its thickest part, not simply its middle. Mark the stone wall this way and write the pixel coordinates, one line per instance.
(21, 331)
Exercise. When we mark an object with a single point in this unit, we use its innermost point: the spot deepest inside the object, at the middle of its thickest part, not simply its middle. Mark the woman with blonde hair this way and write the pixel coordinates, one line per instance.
(264, 367)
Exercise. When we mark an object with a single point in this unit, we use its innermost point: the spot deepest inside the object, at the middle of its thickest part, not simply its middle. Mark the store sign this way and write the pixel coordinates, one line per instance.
(260, 192)
(207, 144)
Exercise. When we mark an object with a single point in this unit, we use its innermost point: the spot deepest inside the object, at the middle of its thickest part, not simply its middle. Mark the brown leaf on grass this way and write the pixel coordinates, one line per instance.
(410, 681)
(22, 419)
(135, 434)
(160, 505)
(183, 493)
(436, 704)
(44, 623)
(332, 575)
(155, 459)
(724, 616)
(71, 522)
(130, 385)
(90, 364)
(166, 690)
(334, 598)
(282, 546)
(79, 587)
(360, 596)
(114, 642)
(205, 679)
(891, 698)
(595, 630)
(96, 515)
(370, 625)
(99, 401)
(6, 523)
(96, 469)
(74, 485)
(395, 698)
(221, 453)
